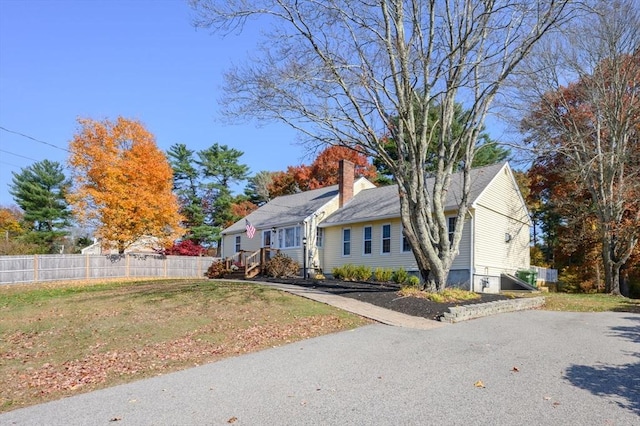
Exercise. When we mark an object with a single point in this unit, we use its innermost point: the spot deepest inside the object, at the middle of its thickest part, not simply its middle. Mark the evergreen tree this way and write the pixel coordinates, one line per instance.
(203, 184)
(40, 190)
(186, 184)
(487, 151)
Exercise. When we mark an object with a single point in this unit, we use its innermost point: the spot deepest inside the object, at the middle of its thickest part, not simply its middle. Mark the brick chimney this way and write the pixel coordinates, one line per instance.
(346, 177)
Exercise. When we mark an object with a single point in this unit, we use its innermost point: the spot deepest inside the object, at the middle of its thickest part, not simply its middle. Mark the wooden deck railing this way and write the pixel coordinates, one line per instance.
(250, 263)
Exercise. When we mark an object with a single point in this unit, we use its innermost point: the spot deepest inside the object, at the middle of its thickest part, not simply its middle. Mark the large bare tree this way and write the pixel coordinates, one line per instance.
(355, 72)
(587, 86)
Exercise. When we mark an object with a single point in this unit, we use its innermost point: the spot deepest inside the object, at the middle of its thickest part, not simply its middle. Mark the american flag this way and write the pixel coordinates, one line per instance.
(251, 230)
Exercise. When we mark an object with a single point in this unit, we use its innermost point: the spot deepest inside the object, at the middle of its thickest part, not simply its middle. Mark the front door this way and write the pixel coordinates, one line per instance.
(266, 242)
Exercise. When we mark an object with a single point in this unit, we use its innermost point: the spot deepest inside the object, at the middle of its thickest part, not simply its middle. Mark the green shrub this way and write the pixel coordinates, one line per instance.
(337, 272)
(383, 275)
(281, 266)
(412, 281)
(400, 276)
(361, 273)
(216, 270)
(349, 272)
(346, 272)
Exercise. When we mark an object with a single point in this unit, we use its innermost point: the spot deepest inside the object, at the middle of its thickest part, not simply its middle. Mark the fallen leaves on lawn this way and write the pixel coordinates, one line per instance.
(99, 367)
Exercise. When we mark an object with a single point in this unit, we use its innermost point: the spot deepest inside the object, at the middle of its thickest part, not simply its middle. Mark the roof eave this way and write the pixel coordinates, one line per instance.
(360, 220)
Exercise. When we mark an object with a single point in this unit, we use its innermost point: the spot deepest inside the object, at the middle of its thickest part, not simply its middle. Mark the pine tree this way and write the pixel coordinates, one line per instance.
(39, 190)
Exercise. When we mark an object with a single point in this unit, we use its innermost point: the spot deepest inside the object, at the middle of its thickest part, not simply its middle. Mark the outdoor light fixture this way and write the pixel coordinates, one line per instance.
(507, 237)
(304, 257)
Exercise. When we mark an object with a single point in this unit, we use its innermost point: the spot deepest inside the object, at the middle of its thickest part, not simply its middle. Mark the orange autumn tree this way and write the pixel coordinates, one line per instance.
(123, 184)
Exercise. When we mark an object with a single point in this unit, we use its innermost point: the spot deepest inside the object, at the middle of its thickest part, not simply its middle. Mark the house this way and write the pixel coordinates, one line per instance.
(358, 223)
(144, 245)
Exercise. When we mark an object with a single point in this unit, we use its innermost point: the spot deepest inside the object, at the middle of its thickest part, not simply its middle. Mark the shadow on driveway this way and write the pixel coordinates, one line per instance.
(620, 382)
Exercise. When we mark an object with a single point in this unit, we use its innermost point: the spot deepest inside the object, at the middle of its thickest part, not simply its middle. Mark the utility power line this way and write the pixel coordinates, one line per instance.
(18, 155)
(33, 139)
(9, 164)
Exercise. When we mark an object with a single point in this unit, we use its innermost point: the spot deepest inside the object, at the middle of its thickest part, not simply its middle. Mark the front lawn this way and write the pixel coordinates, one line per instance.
(62, 339)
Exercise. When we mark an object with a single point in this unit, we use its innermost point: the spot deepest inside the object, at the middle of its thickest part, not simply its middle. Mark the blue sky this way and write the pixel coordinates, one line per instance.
(142, 59)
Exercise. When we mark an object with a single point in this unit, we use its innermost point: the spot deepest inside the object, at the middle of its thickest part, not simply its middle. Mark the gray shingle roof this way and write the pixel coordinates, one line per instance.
(287, 209)
(384, 203)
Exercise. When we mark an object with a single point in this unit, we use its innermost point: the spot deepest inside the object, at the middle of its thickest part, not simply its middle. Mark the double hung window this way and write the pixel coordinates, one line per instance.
(367, 240)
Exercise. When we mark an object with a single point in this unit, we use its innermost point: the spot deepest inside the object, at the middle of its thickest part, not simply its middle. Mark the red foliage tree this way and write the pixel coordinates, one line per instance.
(321, 173)
(185, 248)
(593, 126)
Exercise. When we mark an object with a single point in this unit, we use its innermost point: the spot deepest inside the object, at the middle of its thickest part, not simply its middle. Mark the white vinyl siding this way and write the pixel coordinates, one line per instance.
(229, 244)
(332, 250)
(463, 259)
(500, 211)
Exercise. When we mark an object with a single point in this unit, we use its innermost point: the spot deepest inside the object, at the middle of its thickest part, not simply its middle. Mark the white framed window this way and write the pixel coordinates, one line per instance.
(452, 228)
(385, 247)
(238, 241)
(319, 237)
(289, 237)
(346, 242)
(405, 246)
(367, 243)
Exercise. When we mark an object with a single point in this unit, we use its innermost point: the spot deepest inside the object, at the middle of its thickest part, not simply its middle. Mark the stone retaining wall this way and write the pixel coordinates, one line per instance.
(467, 312)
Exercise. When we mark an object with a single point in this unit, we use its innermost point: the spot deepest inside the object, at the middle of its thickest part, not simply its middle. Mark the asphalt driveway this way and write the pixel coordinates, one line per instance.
(528, 367)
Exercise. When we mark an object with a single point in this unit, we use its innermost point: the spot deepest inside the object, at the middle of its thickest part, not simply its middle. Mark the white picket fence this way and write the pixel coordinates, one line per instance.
(60, 267)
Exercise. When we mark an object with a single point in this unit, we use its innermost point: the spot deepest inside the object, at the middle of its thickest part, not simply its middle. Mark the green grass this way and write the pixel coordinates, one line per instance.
(60, 339)
(590, 303)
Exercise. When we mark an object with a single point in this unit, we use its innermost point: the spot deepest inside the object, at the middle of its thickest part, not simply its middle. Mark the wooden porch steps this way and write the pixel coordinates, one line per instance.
(249, 264)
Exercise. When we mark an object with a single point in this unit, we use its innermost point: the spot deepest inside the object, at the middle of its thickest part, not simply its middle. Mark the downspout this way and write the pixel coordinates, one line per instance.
(472, 270)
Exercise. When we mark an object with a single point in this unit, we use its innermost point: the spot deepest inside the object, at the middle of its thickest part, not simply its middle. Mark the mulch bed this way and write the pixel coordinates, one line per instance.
(384, 295)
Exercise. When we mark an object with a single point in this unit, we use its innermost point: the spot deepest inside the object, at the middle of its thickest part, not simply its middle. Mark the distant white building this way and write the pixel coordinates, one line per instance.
(143, 245)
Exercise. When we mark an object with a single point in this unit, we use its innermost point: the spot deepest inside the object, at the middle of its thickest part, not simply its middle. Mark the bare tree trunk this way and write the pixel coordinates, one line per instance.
(611, 269)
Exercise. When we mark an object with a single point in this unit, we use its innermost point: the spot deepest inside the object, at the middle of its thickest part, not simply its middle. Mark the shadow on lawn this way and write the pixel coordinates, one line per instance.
(619, 382)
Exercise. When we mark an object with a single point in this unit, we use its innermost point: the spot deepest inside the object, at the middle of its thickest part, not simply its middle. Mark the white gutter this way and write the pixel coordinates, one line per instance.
(359, 220)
